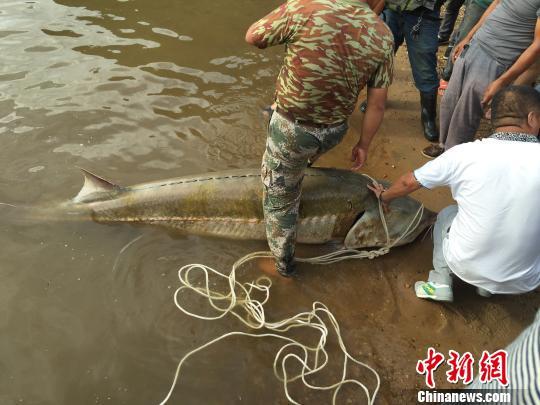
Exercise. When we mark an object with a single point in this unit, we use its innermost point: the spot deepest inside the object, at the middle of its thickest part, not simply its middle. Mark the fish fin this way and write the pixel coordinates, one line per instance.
(93, 184)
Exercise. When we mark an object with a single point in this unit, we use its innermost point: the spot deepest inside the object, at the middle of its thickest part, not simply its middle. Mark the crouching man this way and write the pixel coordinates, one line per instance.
(491, 238)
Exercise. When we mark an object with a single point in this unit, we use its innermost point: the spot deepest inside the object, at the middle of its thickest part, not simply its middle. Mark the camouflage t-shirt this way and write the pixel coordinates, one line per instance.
(334, 48)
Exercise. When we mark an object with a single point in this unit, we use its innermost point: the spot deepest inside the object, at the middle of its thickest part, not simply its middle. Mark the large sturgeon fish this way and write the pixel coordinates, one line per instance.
(336, 205)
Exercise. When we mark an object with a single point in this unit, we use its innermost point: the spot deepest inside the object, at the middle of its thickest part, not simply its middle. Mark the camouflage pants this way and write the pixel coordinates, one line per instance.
(290, 148)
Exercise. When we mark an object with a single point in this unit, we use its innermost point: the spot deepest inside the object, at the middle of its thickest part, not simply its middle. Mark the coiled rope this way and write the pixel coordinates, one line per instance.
(238, 301)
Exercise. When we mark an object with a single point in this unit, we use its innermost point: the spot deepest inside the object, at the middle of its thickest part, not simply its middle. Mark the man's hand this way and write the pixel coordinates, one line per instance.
(458, 49)
(491, 90)
(403, 186)
(378, 189)
(359, 156)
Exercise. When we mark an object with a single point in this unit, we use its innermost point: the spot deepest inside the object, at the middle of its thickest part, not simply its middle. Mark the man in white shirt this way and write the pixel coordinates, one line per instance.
(491, 238)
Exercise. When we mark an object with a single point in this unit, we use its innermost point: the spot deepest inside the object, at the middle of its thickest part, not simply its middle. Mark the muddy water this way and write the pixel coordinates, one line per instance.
(138, 90)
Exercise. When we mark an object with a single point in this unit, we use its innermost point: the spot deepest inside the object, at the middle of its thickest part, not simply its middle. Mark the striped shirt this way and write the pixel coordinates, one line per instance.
(523, 368)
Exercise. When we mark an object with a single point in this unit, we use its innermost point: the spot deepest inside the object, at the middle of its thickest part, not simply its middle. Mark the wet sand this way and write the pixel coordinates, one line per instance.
(386, 316)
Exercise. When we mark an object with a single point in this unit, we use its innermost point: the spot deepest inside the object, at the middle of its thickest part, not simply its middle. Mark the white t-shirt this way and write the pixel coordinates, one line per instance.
(494, 241)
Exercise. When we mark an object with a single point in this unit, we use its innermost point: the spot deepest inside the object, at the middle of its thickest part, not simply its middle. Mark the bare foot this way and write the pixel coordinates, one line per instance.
(268, 266)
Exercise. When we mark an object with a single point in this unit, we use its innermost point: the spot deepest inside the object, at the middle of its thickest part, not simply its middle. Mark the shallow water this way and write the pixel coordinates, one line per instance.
(135, 91)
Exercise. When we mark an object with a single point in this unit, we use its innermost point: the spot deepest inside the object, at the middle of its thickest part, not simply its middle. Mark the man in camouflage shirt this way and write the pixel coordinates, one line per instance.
(334, 49)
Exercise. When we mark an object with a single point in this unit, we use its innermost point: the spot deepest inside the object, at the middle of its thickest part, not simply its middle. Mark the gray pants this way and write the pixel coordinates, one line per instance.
(442, 273)
(461, 108)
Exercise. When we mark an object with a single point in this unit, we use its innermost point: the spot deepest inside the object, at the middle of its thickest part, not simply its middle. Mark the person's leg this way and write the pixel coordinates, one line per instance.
(449, 100)
(473, 13)
(441, 273)
(328, 138)
(422, 49)
(449, 19)
(439, 284)
(288, 150)
(481, 70)
(448, 69)
(421, 37)
(451, 97)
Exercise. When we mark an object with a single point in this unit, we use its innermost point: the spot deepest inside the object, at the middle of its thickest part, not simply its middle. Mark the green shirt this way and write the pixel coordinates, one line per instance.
(334, 48)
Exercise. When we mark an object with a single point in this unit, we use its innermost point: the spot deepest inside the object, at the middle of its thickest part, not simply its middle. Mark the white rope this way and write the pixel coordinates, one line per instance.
(239, 302)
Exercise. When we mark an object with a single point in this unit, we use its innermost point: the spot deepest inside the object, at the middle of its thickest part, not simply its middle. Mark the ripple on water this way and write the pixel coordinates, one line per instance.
(87, 65)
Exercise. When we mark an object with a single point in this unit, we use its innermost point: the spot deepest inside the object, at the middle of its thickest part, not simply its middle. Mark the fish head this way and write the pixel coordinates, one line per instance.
(405, 220)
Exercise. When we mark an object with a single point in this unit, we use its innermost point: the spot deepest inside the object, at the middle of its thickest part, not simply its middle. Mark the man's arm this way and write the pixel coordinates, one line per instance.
(405, 185)
(459, 47)
(527, 58)
(376, 5)
(435, 173)
(376, 104)
(273, 29)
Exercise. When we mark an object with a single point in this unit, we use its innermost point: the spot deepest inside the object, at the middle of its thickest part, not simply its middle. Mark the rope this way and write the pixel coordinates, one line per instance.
(238, 301)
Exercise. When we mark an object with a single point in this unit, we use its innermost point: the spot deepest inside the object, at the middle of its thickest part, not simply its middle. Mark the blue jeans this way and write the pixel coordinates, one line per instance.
(422, 49)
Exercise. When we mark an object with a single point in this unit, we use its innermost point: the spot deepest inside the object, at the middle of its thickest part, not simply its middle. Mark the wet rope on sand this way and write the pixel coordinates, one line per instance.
(238, 301)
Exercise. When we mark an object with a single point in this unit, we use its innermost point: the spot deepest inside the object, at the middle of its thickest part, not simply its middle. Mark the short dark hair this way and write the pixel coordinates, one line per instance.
(512, 105)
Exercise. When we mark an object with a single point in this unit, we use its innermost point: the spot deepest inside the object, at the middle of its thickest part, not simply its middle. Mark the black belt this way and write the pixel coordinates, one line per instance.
(290, 117)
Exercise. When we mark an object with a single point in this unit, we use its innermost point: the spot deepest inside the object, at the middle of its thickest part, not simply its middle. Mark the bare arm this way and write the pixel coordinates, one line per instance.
(376, 5)
(376, 104)
(527, 58)
(459, 47)
(273, 29)
(405, 185)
